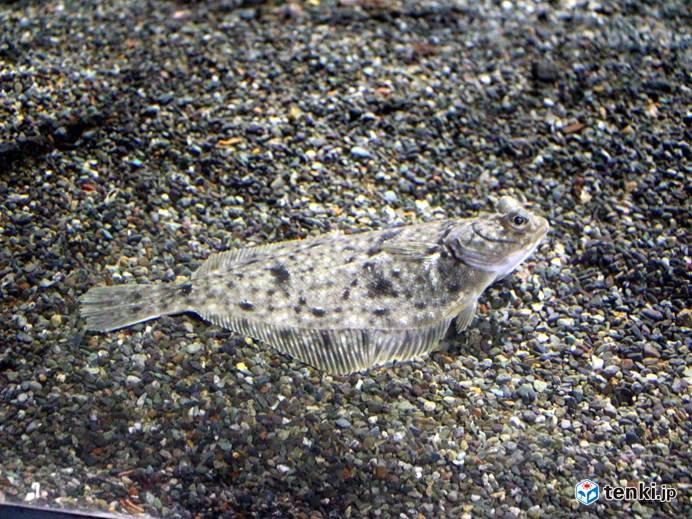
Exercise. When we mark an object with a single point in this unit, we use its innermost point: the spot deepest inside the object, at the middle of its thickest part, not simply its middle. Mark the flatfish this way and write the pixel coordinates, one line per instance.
(341, 302)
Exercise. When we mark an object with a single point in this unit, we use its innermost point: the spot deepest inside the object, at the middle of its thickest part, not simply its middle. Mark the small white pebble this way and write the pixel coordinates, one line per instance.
(429, 406)
(596, 362)
(540, 385)
(565, 322)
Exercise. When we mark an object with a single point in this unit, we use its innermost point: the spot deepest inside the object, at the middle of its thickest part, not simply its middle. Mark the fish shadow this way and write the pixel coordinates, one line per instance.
(478, 340)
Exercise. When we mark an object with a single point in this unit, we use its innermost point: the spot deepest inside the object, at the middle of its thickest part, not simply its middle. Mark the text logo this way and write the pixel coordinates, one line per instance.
(586, 491)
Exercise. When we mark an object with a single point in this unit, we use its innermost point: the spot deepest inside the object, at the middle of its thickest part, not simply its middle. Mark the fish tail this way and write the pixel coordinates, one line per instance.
(113, 307)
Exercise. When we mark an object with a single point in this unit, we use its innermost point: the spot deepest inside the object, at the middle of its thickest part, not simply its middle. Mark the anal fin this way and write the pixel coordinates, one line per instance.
(340, 351)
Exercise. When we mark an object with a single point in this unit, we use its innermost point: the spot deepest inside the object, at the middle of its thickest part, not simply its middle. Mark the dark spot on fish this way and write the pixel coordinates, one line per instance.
(301, 301)
(408, 294)
(389, 234)
(396, 273)
(346, 294)
(338, 310)
(446, 229)
(350, 259)
(380, 311)
(285, 334)
(254, 290)
(318, 312)
(270, 308)
(292, 257)
(247, 306)
(386, 235)
(420, 305)
(447, 269)
(380, 286)
(240, 275)
(368, 265)
(136, 309)
(230, 284)
(136, 295)
(354, 283)
(271, 292)
(251, 261)
(349, 248)
(185, 288)
(454, 287)
(314, 244)
(326, 338)
(297, 309)
(329, 283)
(280, 273)
(420, 279)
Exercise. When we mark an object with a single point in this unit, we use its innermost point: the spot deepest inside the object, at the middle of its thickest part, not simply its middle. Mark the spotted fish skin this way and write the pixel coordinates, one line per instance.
(341, 302)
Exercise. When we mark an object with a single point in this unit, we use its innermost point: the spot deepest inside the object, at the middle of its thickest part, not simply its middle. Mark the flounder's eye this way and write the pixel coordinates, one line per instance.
(519, 220)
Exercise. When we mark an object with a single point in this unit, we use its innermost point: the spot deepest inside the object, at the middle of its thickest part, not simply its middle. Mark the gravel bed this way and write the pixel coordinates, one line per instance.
(136, 138)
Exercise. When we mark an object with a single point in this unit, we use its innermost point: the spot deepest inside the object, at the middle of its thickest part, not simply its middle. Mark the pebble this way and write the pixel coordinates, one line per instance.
(390, 197)
(651, 351)
(540, 385)
(565, 322)
(134, 149)
(597, 362)
(526, 393)
(405, 406)
(545, 71)
(611, 370)
(342, 423)
(360, 152)
(429, 406)
(194, 348)
(132, 381)
(653, 314)
(684, 317)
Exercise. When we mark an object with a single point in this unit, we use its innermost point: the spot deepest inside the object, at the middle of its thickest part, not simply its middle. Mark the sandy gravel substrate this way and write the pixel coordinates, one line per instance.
(138, 137)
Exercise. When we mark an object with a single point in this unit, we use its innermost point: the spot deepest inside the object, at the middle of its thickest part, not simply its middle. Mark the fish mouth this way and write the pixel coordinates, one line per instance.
(544, 227)
(487, 238)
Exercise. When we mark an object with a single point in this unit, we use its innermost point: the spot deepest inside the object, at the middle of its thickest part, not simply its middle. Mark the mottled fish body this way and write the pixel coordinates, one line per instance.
(341, 303)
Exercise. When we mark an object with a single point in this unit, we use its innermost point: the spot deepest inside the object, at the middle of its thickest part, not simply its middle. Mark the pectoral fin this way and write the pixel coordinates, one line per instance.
(412, 250)
(465, 316)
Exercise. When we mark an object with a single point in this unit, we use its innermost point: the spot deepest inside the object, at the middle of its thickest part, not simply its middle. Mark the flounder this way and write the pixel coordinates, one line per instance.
(341, 302)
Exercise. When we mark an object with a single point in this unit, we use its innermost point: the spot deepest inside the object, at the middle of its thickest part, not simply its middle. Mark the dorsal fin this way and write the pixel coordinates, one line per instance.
(222, 260)
(412, 250)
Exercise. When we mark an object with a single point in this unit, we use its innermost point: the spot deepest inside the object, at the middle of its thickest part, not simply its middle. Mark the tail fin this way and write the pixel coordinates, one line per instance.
(110, 308)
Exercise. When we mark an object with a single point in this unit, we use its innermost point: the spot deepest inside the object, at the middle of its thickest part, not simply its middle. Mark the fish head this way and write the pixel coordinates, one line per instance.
(500, 241)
